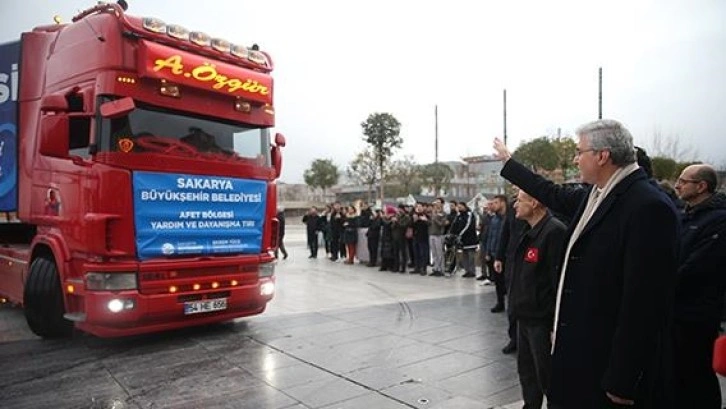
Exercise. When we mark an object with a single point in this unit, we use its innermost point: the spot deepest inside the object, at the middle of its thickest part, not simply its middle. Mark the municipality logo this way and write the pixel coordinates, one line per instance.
(167, 249)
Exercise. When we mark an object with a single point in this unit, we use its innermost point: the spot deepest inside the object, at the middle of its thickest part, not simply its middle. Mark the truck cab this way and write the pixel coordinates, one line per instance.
(145, 185)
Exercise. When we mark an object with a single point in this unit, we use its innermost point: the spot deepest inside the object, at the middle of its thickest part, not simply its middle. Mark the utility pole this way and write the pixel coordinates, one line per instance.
(599, 94)
(505, 117)
(436, 129)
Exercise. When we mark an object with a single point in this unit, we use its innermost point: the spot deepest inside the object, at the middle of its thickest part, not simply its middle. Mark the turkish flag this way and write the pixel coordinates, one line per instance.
(532, 255)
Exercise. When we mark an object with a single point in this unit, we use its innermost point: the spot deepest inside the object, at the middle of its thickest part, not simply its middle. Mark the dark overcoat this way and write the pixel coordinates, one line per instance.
(615, 309)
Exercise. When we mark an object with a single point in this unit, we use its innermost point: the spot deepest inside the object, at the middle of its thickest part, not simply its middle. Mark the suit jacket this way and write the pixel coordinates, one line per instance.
(617, 293)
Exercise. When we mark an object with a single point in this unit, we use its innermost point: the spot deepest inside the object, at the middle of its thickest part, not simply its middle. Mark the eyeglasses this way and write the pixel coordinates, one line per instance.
(580, 152)
(682, 181)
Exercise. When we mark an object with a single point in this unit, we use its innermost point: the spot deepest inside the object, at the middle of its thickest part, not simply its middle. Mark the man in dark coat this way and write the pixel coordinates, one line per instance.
(337, 218)
(535, 274)
(511, 235)
(373, 235)
(611, 343)
(700, 286)
(312, 222)
(449, 245)
(281, 233)
(490, 247)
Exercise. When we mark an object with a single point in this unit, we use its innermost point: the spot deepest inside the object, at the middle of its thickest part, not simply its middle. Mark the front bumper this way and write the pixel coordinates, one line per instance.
(161, 312)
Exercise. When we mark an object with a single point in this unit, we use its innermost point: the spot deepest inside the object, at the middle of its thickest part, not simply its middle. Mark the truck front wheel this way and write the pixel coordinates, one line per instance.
(43, 301)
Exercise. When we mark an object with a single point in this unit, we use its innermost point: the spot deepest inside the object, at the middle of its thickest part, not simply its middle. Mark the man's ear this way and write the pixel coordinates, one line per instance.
(603, 157)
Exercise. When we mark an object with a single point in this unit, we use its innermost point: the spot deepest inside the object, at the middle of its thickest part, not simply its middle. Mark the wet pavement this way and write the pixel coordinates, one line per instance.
(335, 336)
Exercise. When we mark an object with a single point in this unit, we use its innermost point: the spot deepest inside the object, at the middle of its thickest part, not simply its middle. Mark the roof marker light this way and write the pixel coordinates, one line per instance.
(177, 31)
(223, 46)
(240, 51)
(258, 58)
(199, 38)
(154, 24)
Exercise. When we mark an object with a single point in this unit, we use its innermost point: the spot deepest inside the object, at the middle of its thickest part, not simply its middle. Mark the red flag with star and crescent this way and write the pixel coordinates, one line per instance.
(532, 255)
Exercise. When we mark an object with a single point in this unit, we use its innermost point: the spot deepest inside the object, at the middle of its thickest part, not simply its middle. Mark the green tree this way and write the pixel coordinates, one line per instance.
(322, 173)
(364, 170)
(663, 168)
(407, 174)
(565, 147)
(538, 153)
(381, 131)
(437, 176)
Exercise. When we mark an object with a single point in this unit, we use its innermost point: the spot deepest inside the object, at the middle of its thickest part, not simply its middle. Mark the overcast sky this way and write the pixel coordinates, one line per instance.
(664, 64)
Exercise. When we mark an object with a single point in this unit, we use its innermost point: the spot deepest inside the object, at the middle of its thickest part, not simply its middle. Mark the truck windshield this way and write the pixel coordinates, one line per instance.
(151, 129)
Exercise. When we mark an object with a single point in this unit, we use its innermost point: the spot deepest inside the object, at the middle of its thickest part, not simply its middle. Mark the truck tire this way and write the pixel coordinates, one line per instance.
(43, 301)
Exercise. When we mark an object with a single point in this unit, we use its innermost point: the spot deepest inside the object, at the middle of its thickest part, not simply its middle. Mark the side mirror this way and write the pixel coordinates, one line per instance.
(117, 108)
(54, 103)
(276, 158)
(54, 136)
(280, 140)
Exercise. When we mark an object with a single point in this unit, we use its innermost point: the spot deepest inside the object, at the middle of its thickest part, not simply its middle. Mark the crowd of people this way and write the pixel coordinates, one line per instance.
(445, 237)
(614, 287)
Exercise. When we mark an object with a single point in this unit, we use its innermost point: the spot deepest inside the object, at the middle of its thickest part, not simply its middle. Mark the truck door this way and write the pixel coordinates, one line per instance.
(63, 185)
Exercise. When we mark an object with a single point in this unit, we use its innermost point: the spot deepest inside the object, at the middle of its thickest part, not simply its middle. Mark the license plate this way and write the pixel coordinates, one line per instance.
(196, 307)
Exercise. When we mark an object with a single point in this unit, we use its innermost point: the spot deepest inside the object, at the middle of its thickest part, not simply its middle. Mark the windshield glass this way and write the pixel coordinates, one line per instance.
(151, 129)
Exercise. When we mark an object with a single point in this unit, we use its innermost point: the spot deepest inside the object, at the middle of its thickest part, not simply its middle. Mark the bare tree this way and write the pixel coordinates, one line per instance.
(671, 147)
(407, 174)
(364, 170)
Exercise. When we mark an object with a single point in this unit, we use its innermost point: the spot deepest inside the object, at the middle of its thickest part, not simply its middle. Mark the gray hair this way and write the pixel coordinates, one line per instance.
(610, 135)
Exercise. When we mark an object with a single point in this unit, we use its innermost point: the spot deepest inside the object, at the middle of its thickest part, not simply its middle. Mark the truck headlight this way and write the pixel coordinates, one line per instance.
(267, 289)
(267, 269)
(116, 305)
(111, 281)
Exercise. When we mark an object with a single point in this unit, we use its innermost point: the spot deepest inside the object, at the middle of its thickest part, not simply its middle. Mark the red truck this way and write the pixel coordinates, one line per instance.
(137, 176)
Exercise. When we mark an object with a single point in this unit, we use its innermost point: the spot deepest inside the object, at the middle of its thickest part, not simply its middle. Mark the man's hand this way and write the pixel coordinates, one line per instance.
(503, 153)
(620, 401)
(498, 266)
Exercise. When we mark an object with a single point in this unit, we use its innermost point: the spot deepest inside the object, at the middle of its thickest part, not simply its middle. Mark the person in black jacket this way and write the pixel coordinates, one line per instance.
(386, 240)
(450, 245)
(464, 228)
(535, 274)
(312, 223)
(511, 233)
(612, 329)
(700, 286)
(490, 247)
(373, 234)
(422, 253)
(337, 218)
(281, 233)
